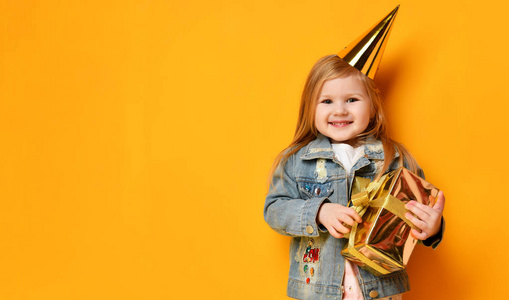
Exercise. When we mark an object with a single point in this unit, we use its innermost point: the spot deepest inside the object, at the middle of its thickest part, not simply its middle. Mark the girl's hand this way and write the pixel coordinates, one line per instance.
(335, 217)
(427, 219)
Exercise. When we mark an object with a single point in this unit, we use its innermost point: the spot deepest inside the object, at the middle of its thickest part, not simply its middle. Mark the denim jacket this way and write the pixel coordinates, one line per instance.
(310, 177)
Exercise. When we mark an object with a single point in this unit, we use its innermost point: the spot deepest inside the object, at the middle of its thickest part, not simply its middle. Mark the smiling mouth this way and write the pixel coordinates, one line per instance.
(340, 124)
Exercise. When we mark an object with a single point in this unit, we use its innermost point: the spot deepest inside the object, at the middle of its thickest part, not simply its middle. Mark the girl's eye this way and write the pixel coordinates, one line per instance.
(327, 101)
(351, 100)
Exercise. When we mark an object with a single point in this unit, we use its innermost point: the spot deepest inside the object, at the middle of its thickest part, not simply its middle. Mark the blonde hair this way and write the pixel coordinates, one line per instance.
(332, 67)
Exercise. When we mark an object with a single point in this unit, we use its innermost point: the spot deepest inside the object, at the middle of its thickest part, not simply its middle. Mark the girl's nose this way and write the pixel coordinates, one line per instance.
(340, 110)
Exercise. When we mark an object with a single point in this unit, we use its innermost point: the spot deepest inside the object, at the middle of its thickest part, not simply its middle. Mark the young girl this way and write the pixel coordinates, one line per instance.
(341, 133)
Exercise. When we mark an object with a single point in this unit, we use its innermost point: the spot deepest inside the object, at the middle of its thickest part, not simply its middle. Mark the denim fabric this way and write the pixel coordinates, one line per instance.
(311, 177)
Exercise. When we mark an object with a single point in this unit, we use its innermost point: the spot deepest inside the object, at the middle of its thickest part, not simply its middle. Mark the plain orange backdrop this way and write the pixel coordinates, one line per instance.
(136, 139)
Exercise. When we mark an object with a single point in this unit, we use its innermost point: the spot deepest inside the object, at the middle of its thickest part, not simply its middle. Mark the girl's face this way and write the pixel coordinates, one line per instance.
(343, 109)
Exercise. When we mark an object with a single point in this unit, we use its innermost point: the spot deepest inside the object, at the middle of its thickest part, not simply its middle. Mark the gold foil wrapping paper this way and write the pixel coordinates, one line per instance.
(365, 53)
(382, 243)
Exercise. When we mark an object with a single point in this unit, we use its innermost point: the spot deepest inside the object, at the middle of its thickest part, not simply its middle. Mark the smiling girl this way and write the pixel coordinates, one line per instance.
(341, 133)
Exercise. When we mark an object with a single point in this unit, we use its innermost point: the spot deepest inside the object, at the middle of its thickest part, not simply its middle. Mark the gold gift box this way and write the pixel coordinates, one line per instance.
(382, 243)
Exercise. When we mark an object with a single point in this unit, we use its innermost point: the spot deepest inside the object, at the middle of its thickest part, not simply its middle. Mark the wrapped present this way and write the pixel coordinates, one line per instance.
(382, 243)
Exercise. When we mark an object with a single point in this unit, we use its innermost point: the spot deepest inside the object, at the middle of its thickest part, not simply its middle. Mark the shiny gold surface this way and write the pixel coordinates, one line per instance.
(365, 53)
(382, 243)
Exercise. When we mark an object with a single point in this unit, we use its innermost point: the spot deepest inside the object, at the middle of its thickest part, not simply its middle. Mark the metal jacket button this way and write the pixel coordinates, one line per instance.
(309, 229)
(373, 294)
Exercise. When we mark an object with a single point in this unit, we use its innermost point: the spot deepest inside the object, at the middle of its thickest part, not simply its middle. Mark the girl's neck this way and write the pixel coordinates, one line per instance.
(352, 142)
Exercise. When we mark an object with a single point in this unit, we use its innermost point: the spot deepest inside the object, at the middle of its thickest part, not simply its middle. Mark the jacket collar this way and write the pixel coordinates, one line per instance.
(322, 148)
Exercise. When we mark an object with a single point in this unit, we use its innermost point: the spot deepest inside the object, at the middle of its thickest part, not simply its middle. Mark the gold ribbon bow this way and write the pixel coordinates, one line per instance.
(368, 193)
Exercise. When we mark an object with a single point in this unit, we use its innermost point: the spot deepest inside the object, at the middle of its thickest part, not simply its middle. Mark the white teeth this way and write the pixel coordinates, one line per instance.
(339, 124)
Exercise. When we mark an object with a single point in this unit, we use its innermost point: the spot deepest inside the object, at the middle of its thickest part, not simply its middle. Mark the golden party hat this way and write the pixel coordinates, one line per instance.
(365, 53)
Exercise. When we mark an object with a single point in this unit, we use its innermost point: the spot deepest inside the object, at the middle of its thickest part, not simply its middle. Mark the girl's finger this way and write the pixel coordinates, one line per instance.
(356, 217)
(353, 214)
(416, 221)
(440, 204)
(334, 233)
(419, 235)
(417, 210)
(341, 228)
(346, 219)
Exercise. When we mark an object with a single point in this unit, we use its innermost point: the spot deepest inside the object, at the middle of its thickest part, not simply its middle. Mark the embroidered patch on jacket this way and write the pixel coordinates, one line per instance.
(315, 189)
(312, 255)
(321, 171)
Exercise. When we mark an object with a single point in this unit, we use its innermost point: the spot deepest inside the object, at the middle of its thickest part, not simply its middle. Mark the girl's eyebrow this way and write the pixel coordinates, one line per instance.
(355, 94)
(348, 94)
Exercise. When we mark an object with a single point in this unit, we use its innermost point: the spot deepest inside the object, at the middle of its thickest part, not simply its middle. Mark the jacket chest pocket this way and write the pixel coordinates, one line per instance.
(315, 190)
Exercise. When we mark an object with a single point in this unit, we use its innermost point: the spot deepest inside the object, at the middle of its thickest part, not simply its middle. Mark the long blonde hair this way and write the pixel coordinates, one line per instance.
(332, 67)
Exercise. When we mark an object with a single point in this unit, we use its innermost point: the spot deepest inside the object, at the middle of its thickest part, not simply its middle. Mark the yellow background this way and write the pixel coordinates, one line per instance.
(136, 138)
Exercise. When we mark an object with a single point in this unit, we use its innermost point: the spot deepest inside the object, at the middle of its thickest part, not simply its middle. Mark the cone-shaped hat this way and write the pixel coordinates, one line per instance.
(365, 53)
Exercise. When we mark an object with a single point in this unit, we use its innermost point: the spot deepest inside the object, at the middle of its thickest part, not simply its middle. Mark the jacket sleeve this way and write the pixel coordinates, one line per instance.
(284, 211)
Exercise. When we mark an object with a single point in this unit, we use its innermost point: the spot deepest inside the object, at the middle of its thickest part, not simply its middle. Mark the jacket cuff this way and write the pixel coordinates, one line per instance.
(310, 213)
(435, 240)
